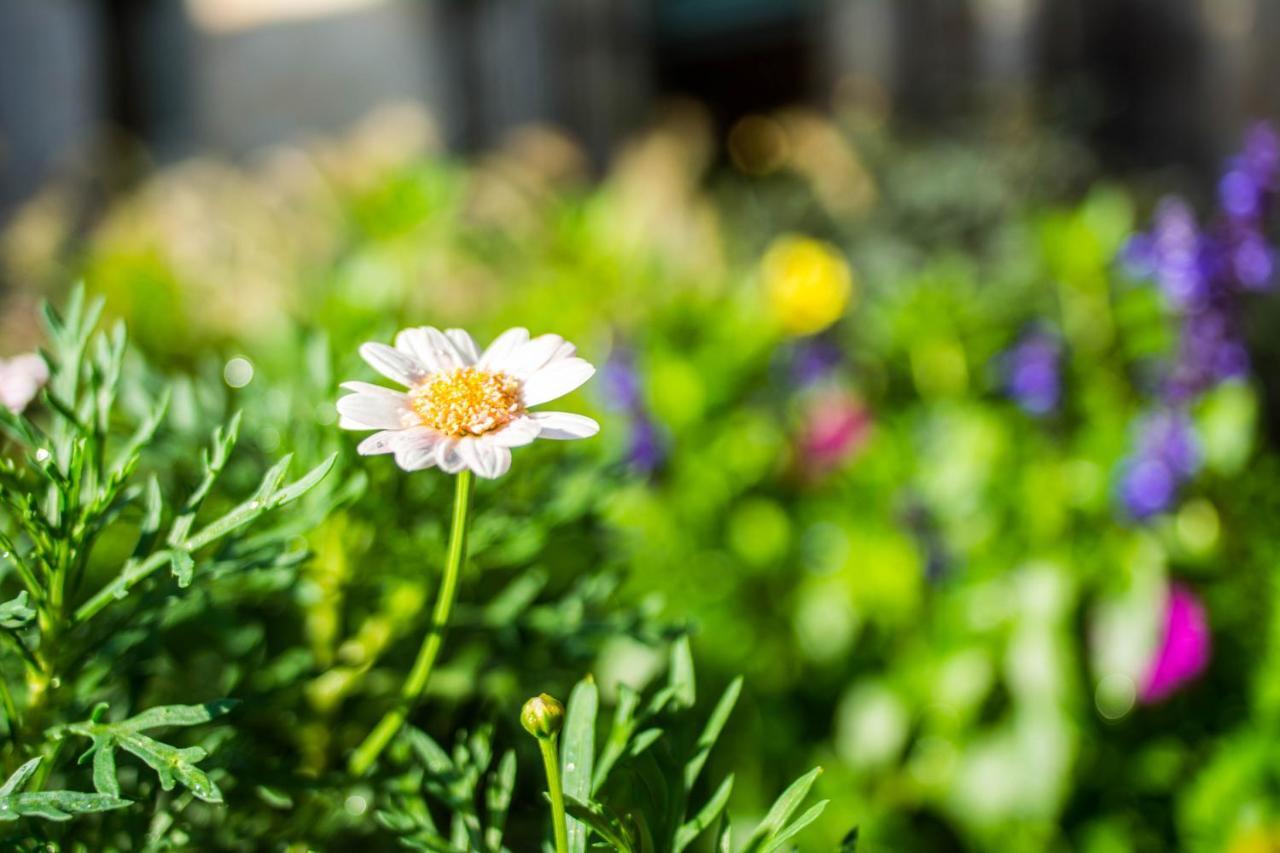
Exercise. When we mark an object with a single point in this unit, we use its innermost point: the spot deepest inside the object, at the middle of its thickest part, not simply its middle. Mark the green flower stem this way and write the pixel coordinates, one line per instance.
(551, 760)
(367, 753)
(126, 580)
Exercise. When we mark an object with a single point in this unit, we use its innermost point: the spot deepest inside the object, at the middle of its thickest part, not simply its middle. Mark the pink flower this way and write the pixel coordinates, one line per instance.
(1184, 649)
(21, 378)
(837, 427)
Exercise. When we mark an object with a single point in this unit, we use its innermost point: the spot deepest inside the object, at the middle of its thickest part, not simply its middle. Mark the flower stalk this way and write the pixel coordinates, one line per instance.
(416, 682)
(543, 717)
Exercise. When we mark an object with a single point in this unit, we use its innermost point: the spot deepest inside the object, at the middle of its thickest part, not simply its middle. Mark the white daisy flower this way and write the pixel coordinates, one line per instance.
(465, 409)
(21, 378)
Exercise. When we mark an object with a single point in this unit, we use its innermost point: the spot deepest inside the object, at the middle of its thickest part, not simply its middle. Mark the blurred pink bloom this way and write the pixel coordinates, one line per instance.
(21, 378)
(837, 427)
(1184, 648)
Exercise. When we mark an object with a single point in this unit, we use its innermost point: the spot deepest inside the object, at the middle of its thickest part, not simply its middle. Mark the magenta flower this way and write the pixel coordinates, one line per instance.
(21, 378)
(1184, 649)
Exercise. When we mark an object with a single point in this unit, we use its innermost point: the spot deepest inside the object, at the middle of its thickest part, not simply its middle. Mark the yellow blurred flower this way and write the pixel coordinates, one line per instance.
(1257, 839)
(808, 283)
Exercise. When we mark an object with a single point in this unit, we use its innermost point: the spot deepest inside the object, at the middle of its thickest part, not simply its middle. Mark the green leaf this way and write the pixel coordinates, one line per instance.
(681, 676)
(619, 735)
(781, 811)
(715, 724)
(172, 764)
(694, 827)
(794, 829)
(577, 754)
(15, 613)
(724, 836)
(19, 777)
(50, 805)
(177, 715)
(643, 741)
(183, 567)
(497, 800)
(849, 844)
(56, 805)
(611, 831)
(303, 484)
(268, 496)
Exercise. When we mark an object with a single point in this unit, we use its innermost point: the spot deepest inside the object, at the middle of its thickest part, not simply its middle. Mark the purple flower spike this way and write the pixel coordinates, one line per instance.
(1165, 456)
(1033, 374)
(1184, 648)
(646, 451)
(620, 381)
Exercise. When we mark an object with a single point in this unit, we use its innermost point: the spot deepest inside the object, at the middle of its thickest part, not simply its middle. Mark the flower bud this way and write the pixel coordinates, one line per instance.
(542, 716)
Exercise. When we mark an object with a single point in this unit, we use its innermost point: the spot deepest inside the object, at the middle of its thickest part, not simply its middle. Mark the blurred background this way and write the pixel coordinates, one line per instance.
(1146, 84)
(939, 361)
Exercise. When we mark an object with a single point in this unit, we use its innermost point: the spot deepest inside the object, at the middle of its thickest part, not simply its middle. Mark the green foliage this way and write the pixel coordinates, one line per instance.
(170, 763)
(475, 791)
(641, 799)
(78, 487)
(49, 805)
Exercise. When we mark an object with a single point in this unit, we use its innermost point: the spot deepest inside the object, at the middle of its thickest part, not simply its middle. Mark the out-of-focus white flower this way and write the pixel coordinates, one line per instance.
(465, 409)
(21, 378)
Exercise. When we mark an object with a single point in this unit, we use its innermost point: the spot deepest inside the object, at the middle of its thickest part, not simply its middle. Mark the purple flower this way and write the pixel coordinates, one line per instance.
(1032, 373)
(1203, 272)
(813, 361)
(646, 450)
(1184, 648)
(1172, 253)
(620, 382)
(622, 388)
(21, 378)
(1165, 456)
(1251, 176)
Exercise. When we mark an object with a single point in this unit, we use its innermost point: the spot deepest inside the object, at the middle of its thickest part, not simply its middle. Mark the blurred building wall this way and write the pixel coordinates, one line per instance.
(51, 99)
(1149, 81)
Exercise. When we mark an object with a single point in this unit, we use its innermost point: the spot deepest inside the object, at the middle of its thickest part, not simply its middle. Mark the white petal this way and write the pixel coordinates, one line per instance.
(528, 359)
(373, 411)
(465, 345)
(379, 442)
(447, 456)
(567, 350)
(415, 344)
(503, 463)
(429, 346)
(556, 380)
(475, 459)
(518, 433)
(393, 364)
(415, 448)
(484, 457)
(445, 351)
(564, 425)
(502, 347)
(371, 389)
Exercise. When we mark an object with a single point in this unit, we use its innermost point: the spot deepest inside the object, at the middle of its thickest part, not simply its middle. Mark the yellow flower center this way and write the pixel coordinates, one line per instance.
(466, 401)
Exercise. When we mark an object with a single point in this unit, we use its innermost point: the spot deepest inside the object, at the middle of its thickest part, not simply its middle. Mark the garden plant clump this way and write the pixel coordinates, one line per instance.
(948, 471)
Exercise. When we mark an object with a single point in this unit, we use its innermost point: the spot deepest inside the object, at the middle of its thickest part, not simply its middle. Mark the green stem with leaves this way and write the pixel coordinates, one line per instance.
(414, 685)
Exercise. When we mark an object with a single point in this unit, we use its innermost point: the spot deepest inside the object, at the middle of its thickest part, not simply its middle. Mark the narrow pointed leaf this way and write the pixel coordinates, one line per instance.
(577, 755)
(715, 724)
(706, 815)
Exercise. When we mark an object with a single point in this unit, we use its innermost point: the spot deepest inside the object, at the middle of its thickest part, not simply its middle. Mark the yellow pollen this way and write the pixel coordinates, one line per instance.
(466, 401)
